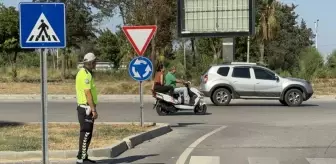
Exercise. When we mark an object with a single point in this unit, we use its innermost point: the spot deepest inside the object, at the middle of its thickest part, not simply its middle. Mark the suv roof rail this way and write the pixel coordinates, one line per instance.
(241, 63)
(244, 63)
(262, 64)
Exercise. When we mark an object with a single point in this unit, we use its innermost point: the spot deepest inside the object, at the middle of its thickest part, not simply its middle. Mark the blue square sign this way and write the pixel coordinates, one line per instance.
(42, 25)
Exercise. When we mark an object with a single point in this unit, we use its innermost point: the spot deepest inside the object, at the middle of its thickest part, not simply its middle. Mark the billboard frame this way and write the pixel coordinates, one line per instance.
(181, 16)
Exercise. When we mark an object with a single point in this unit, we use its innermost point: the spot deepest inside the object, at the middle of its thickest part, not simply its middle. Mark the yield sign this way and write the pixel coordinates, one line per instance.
(139, 36)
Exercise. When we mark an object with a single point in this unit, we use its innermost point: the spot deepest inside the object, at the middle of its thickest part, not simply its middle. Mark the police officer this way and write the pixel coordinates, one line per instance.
(86, 109)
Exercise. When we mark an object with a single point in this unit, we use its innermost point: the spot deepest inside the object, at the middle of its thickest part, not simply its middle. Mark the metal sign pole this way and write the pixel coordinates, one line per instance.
(141, 105)
(43, 65)
(44, 106)
(134, 38)
(57, 32)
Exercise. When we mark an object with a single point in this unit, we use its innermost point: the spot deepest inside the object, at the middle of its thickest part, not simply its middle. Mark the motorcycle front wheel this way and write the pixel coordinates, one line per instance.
(200, 109)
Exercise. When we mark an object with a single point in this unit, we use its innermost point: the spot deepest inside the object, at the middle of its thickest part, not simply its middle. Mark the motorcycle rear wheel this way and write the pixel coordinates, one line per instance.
(160, 111)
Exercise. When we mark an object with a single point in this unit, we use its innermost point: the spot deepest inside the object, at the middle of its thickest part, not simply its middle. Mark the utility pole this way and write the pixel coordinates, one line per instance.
(57, 58)
(316, 32)
(184, 56)
(248, 49)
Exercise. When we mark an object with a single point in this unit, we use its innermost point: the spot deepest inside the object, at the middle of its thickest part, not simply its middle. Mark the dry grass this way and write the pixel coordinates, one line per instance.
(325, 86)
(61, 136)
(122, 87)
(321, 87)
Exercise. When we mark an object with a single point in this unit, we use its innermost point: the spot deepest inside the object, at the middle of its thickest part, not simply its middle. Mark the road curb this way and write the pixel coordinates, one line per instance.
(72, 98)
(137, 139)
(108, 152)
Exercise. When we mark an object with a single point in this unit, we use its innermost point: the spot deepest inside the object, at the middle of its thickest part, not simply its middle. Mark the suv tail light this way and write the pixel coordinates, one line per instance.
(205, 79)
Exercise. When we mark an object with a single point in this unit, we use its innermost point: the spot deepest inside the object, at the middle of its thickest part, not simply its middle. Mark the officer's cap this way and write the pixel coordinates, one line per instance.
(89, 57)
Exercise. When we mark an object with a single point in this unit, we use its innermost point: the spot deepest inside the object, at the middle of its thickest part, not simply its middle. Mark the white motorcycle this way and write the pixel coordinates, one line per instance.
(166, 104)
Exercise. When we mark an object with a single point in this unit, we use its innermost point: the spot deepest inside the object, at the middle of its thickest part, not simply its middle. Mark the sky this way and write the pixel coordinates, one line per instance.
(309, 10)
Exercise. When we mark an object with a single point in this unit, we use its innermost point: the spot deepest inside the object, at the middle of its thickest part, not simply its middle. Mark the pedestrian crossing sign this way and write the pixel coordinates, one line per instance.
(42, 32)
(42, 25)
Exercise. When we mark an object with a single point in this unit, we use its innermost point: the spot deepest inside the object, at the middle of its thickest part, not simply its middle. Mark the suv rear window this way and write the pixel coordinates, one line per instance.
(241, 72)
(223, 71)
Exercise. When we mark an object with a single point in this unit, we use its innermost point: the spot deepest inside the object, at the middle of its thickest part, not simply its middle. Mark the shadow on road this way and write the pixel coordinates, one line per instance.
(4, 124)
(264, 104)
(185, 113)
(128, 159)
(185, 124)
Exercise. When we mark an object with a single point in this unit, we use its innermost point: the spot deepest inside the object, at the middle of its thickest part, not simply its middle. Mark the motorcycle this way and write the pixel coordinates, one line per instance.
(166, 104)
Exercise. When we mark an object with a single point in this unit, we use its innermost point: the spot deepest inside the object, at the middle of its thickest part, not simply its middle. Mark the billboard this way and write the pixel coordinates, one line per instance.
(215, 18)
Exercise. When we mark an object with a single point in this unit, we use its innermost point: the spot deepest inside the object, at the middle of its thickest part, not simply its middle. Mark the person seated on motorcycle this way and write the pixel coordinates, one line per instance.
(171, 80)
(158, 85)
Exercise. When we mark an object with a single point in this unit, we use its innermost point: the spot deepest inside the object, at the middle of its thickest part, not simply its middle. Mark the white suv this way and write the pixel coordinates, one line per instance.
(237, 80)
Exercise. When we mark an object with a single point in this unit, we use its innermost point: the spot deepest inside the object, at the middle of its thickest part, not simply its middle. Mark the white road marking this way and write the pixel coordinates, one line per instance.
(262, 160)
(204, 160)
(183, 157)
(321, 160)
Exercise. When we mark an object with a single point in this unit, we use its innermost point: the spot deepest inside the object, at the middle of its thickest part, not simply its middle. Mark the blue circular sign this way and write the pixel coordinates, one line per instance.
(140, 68)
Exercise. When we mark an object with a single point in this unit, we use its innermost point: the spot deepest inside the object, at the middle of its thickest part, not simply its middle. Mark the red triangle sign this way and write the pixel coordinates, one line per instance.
(139, 36)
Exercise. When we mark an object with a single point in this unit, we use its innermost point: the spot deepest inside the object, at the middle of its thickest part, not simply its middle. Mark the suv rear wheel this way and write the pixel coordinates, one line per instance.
(293, 97)
(221, 97)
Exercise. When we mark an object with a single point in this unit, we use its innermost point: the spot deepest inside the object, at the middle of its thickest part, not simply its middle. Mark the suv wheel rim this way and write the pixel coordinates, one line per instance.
(222, 97)
(294, 97)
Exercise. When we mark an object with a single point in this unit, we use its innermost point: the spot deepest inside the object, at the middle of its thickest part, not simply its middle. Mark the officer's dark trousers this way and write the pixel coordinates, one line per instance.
(86, 128)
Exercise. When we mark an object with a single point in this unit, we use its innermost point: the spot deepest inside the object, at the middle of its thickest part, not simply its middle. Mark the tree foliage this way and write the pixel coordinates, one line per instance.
(280, 42)
(108, 47)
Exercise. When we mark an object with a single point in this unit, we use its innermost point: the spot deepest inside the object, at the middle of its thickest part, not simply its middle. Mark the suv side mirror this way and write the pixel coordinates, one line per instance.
(276, 78)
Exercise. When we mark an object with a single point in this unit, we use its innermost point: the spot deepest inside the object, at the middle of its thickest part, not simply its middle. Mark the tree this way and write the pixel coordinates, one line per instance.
(267, 24)
(108, 47)
(283, 51)
(159, 12)
(280, 41)
(9, 36)
(311, 63)
(207, 45)
(331, 60)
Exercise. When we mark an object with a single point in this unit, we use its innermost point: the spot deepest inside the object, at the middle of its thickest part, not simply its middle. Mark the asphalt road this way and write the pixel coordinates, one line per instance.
(247, 132)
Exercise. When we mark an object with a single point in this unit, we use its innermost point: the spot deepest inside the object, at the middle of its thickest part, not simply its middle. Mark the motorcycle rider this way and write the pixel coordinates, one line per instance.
(158, 85)
(170, 80)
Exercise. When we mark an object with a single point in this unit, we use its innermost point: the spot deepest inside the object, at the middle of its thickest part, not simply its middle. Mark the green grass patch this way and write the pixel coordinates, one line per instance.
(28, 137)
